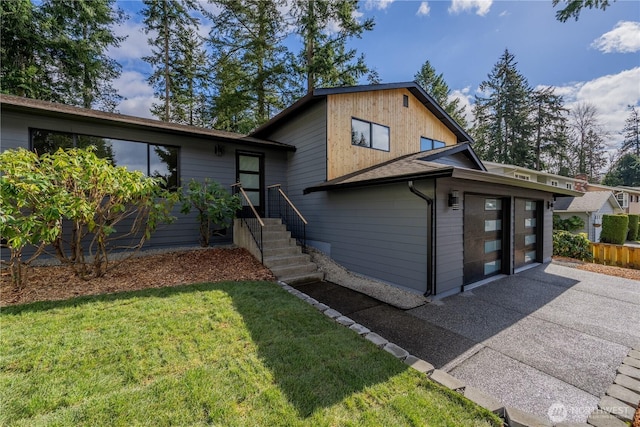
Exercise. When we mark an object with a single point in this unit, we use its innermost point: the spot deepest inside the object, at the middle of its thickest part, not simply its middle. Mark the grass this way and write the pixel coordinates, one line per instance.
(232, 354)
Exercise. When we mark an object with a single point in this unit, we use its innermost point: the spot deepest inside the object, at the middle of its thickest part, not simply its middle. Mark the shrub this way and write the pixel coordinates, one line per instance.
(569, 224)
(614, 229)
(74, 188)
(633, 227)
(571, 245)
(215, 206)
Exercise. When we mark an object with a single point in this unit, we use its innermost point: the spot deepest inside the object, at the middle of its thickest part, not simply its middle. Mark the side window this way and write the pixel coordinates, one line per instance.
(427, 144)
(370, 135)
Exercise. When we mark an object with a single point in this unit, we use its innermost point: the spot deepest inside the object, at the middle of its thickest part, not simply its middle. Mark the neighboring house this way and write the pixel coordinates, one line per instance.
(537, 176)
(388, 182)
(628, 197)
(590, 208)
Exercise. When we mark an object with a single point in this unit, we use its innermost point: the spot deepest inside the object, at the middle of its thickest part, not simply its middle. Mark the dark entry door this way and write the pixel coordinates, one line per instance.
(250, 173)
(526, 232)
(484, 231)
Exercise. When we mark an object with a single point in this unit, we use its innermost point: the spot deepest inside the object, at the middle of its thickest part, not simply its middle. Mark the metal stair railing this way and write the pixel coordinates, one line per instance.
(281, 207)
(250, 218)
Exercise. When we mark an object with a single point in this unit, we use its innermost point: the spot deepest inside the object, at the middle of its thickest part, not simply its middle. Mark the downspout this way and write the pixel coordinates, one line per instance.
(431, 246)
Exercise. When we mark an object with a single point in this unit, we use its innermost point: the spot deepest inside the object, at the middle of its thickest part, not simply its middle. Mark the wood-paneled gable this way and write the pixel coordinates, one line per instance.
(384, 107)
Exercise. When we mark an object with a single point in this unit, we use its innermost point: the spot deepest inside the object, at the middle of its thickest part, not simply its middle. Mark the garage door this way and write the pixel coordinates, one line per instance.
(484, 230)
(526, 232)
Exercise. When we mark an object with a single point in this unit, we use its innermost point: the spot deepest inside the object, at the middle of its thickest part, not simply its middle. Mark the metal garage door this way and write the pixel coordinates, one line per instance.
(526, 231)
(485, 226)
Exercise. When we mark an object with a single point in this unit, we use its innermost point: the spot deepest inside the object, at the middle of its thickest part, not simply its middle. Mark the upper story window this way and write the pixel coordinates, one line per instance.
(569, 186)
(370, 135)
(623, 199)
(522, 176)
(427, 144)
(158, 161)
(554, 183)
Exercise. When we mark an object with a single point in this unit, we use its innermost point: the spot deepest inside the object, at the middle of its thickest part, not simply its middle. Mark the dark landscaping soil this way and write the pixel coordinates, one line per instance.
(610, 270)
(153, 271)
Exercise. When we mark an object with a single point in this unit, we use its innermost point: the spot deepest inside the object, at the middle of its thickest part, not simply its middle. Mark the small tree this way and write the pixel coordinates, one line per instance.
(633, 227)
(571, 245)
(214, 204)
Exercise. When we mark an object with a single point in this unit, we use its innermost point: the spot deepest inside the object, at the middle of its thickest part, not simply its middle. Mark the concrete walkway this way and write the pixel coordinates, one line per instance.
(548, 337)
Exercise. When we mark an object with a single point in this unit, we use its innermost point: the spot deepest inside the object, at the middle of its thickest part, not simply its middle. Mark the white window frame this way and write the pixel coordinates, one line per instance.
(623, 199)
(522, 176)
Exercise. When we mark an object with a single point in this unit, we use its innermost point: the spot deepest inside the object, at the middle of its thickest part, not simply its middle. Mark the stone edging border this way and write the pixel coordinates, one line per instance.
(608, 414)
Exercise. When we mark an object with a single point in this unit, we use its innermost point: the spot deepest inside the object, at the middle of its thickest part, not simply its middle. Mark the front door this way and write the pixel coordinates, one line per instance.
(484, 242)
(250, 173)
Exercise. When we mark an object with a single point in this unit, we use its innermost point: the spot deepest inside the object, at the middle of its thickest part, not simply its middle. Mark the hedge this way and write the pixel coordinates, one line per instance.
(614, 229)
(571, 245)
(633, 227)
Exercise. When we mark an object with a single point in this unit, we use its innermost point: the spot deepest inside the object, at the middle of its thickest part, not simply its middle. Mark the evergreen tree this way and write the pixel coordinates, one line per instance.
(23, 50)
(631, 132)
(170, 21)
(503, 128)
(574, 7)
(325, 61)
(80, 33)
(587, 141)
(626, 171)
(435, 86)
(550, 128)
(250, 33)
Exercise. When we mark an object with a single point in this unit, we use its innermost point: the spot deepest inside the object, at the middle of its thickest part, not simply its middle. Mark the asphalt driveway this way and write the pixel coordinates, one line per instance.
(546, 336)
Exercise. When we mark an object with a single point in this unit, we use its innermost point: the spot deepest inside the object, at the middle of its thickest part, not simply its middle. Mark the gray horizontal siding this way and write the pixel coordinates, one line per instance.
(197, 161)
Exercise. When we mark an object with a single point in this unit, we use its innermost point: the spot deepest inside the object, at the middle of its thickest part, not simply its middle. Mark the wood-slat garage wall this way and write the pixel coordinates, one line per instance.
(384, 107)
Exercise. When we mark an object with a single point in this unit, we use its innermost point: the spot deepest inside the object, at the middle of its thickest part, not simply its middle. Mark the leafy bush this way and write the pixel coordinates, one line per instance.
(215, 206)
(614, 229)
(74, 188)
(571, 245)
(633, 227)
(569, 224)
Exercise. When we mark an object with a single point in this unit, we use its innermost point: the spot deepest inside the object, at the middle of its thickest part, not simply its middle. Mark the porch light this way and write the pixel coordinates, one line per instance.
(550, 205)
(454, 200)
(218, 150)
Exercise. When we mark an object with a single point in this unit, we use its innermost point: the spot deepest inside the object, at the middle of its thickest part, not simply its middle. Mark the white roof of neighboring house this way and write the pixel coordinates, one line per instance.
(591, 201)
(493, 165)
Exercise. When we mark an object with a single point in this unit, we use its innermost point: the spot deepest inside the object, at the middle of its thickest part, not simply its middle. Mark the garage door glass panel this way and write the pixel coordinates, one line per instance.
(492, 246)
(530, 239)
(492, 225)
(492, 267)
(492, 204)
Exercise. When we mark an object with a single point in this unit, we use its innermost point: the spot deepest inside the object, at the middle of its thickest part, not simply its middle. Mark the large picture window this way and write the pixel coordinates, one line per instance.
(155, 160)
(370, 135)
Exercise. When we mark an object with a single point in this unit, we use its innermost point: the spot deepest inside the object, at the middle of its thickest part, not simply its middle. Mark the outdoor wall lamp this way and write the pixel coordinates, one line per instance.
(550, 204)
(218, 150)
(454, 200)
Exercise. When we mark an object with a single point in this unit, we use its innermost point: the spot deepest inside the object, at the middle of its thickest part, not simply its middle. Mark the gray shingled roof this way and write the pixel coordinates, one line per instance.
(17, 103)
(591, 201)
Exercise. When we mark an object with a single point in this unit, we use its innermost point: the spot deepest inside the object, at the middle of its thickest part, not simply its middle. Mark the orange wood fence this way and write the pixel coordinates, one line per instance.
(621, 256)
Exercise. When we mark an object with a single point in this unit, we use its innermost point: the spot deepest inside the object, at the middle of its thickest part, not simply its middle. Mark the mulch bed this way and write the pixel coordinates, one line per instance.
(609, 270)
(142, 272)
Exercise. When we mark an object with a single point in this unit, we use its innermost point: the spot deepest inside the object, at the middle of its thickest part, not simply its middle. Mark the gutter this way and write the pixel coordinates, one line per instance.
(431, 245)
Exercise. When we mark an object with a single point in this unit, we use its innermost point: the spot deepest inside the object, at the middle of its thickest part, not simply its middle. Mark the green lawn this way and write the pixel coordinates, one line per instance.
(232, 354)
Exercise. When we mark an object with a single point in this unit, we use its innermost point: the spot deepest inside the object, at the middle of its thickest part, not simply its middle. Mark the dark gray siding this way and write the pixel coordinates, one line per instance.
(197, 161)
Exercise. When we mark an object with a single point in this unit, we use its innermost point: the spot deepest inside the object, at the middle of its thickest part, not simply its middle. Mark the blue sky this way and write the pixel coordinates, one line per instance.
(595, 60)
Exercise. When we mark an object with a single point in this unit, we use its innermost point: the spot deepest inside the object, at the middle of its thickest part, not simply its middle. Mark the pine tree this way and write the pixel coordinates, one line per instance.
(631, 132)
(80, 33)
(550, 127)
(251, 33)
(325, 61)
(503, 128)
(626, 171)
(587, 141)
(169, 21)
(435, 86)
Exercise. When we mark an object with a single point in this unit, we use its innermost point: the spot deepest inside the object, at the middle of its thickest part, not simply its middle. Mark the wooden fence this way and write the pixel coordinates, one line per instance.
(621, 256)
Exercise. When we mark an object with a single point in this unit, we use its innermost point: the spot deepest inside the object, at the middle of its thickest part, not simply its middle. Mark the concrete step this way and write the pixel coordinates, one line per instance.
(272, 221)
(279, 261)
(278, 243)
(305, 278)
(294, 270)
(268, 233)
(283, 251)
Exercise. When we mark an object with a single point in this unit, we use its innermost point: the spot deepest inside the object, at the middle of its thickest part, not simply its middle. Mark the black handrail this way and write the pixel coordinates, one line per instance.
(281, 207)
(250, 218)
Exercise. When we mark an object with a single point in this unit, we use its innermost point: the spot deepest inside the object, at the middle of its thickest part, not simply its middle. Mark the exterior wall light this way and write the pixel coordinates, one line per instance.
(218, 150)
(454, 200)
(550, 204)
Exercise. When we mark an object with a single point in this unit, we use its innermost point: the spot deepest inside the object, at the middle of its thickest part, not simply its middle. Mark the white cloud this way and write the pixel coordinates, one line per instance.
(133, 86)
(135, 46)
(466, 98)
(377, 4)
(424, 9)
(611, 95)
(481, 6)
(624, 38)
